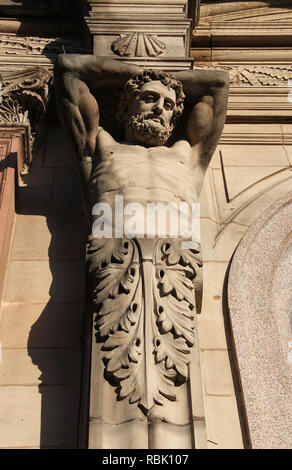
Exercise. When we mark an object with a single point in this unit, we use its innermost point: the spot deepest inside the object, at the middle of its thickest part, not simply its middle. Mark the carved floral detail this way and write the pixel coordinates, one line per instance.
(257, 75)
(138, 45)
(35, 45)
(145, 316)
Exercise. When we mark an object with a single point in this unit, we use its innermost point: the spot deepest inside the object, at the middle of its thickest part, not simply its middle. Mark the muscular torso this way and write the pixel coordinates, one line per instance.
(143, 175)
(155, 174)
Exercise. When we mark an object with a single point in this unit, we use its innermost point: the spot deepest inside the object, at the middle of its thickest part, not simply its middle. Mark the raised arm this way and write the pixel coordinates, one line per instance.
(76, 76)
(208, 92)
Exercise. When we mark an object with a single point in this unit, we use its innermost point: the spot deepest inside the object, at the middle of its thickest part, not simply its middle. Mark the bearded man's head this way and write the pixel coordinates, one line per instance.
(150, 106)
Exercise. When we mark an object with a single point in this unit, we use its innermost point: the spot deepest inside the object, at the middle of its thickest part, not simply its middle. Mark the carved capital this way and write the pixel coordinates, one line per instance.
(24, 96)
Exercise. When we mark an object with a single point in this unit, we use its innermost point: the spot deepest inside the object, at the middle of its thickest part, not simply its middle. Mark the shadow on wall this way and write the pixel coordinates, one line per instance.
(37, 7)
(52, 201)
(233, 363)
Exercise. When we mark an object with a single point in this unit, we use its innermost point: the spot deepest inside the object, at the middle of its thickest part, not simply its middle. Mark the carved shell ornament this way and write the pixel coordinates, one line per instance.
(138, 45)
(147, 340)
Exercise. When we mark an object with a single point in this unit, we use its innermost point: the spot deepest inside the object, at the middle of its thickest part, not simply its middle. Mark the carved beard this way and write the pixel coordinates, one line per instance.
(147, 132)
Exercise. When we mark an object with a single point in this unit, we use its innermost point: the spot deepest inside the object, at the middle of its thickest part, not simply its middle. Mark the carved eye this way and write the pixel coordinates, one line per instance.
(168, 105)
(150, 98)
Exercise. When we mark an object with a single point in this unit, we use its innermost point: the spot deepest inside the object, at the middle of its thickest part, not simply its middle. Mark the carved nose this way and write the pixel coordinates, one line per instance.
(158, 109)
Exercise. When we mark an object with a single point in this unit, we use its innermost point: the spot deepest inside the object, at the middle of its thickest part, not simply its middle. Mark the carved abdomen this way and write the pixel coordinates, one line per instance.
(142, 175)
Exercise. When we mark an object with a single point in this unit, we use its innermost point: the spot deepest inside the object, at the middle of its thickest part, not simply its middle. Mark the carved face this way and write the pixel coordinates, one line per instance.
(151, 113)
(155, 102)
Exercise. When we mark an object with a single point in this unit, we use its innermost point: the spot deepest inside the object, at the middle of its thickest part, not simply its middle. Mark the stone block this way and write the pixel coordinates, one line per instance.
(57, 149)
(38, 178)
(20, 409)
(45, 366)
(219, 242)
(223, 426)
(211, 333)
(250, 156)
(213, 275)
(33, 201)
(68, 237)
(41, 281)
(289, 153)
(287, 128)
(33, 416)
(67, 192)
(170, 436)
(241, 179)
(248, 203)
(52, 325)
(207, 200)
(251, 129)
(59, 415)
(282, 185)
(216, 372)
(54, 237)
(130, 435)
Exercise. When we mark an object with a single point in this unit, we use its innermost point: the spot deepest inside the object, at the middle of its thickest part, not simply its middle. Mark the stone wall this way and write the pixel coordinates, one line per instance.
(245, 177)
(43, 305)
(42, 313)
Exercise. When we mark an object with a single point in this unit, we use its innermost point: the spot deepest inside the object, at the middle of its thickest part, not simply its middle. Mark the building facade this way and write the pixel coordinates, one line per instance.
(243, 292)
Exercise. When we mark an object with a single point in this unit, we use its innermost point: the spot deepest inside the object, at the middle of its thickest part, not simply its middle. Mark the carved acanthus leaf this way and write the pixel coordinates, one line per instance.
(147, 338)
(24, 98)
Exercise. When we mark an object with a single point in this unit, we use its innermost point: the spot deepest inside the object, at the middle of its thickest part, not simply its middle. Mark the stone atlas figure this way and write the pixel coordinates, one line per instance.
(143, 288)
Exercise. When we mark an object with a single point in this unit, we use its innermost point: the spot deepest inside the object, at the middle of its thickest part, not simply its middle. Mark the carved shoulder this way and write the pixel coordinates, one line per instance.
(182, 147)
(104, 139)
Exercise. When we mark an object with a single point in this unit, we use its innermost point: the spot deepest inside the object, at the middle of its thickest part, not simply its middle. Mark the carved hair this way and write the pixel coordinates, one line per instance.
(133, 86)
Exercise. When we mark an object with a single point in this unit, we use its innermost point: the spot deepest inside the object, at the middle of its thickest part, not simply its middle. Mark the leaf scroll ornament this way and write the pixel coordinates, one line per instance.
(174, 308)
(145, 316)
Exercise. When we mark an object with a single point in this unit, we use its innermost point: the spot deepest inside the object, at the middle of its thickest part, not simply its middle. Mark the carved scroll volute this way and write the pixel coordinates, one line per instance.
(24, 98)
(145, 316)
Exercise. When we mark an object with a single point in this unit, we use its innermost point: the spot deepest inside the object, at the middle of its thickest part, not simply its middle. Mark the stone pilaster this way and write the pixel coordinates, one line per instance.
(149, 33)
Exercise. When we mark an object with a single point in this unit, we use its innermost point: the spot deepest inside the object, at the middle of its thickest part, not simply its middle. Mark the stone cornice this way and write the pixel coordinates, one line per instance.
(243, 25)
(265, 55)
(40, 26)
(245, 11)
(132, 8)
(243, 35)
(37, 8)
